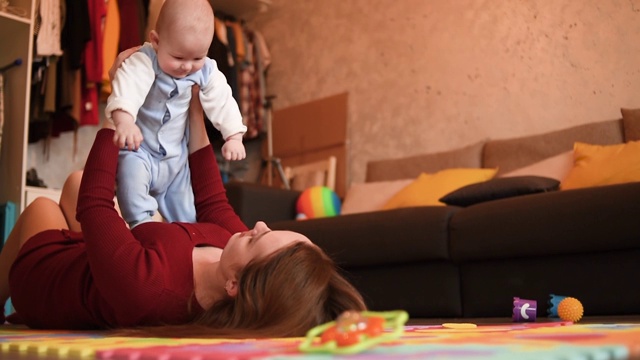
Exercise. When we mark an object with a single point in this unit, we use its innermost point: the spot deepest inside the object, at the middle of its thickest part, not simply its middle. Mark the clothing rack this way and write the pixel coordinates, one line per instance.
(271, 163)
(14, 63)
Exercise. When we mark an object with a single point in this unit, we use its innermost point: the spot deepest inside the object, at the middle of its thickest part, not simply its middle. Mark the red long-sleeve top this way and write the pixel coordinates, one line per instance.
(142, 276)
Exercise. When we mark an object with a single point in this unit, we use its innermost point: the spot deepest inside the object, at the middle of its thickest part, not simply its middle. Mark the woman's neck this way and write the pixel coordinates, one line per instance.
(208, 286)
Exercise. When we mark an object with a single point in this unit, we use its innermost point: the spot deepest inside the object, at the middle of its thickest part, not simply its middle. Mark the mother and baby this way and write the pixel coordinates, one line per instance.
(77, 264)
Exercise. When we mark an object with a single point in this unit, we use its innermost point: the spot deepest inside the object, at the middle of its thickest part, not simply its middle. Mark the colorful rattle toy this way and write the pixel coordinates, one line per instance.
(566, 308)
(354, 331)
(317, 202)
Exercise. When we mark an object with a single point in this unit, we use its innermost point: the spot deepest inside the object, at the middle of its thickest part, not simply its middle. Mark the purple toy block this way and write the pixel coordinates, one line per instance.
(524, 310)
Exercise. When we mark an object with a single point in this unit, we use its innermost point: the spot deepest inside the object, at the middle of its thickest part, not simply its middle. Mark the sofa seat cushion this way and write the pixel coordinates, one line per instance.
(546, 224)
(380, 238)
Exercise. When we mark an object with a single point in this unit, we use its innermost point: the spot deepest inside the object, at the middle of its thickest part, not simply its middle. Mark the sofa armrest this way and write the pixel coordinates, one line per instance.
(255, 202)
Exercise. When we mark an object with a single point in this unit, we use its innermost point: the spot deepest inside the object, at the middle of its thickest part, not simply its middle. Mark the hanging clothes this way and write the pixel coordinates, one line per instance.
(252, 77)
(75, 32)
(49, 29)
(110, 44)
(243, 57)
(249, 102)
(93, 64)
(132, 24)
(93, 58)
(153, 10)
(75, 35)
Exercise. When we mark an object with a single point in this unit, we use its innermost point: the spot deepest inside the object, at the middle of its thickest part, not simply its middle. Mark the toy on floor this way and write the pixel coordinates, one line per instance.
(354, 331)
(459, 326)
(566, 308)
(524, 310)
(317, 202)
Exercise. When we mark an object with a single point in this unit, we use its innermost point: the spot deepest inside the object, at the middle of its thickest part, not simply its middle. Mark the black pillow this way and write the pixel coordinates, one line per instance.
(500, 188)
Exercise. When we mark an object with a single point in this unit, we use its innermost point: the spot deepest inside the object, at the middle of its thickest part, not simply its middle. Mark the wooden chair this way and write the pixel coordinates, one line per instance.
(315, 173)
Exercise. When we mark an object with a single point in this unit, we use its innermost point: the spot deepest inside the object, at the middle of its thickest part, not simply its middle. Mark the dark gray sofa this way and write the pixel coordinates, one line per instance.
(441, 262)
(456, 262)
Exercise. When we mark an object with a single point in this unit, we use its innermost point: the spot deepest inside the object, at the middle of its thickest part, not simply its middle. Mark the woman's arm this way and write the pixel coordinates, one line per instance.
(126, 274)
(209, 192)
(198, 137)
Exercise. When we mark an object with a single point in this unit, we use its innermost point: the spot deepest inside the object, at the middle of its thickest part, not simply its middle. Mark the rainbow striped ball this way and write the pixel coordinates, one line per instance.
(317, 202)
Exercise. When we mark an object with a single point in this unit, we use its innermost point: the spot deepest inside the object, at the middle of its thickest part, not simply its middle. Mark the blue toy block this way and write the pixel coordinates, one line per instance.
(7, 220)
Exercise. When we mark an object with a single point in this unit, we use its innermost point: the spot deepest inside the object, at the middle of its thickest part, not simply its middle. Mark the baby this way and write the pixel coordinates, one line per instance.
(150, 101)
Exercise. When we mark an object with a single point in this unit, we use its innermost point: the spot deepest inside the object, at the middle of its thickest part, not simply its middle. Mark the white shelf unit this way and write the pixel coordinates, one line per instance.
(17, 43)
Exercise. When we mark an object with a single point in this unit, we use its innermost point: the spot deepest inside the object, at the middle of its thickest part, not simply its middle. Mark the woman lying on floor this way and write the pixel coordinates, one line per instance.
(216, 276)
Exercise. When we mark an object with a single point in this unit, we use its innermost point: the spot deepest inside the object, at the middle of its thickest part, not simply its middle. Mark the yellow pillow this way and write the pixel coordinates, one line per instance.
(428, 188)
(595, 165)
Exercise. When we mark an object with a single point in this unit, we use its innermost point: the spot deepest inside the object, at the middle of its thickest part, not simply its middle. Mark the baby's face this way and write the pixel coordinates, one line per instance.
(180, 56)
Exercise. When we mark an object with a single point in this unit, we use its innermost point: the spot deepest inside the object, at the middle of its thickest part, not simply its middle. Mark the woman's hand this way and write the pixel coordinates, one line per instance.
(124, 55)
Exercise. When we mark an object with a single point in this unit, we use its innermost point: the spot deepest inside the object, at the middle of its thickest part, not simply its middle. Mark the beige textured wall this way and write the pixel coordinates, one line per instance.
(427, 76)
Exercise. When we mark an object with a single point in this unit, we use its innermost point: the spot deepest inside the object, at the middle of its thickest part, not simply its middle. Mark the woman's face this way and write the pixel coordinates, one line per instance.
(255, 243)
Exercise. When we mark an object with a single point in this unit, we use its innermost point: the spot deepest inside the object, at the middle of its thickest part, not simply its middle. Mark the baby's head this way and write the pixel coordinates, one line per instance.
(183, 35)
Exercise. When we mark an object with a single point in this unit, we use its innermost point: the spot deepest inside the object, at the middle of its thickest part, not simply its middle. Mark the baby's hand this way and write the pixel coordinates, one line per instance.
(127, 136)
(233, 149)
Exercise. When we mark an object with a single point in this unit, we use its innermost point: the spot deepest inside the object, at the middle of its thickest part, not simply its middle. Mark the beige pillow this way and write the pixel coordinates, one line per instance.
(366, 197)
(555, 167)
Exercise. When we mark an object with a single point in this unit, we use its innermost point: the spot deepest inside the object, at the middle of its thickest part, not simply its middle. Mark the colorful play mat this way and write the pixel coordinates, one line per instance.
(548, 340)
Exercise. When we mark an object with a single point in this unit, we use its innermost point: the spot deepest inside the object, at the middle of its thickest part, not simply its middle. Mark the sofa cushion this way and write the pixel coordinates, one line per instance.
(547, 224)
(511, 154)
(382, 237)
(365, 197)
(410, 167)
(596, 165)
(427, 189)
(500, 188)
(631, 124)
(555, 167)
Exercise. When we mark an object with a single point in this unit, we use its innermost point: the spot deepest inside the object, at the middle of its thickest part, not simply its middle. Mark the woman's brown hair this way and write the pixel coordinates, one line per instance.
(281, 295)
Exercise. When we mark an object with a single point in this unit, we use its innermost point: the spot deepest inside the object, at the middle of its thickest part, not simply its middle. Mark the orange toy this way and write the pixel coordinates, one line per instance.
(570, 309)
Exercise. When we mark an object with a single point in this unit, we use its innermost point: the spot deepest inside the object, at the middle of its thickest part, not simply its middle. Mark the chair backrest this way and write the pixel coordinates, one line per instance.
(315, 173)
